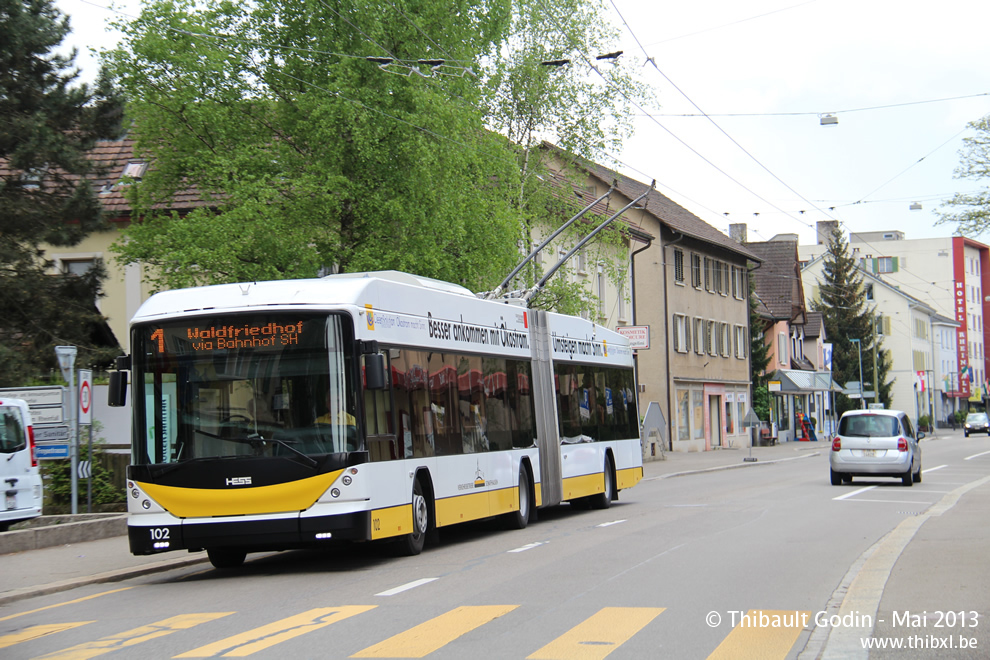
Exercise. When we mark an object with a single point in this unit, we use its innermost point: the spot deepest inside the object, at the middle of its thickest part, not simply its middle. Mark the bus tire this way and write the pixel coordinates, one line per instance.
(604, 500)
(226, 557)
(520, 518)
(412, 544)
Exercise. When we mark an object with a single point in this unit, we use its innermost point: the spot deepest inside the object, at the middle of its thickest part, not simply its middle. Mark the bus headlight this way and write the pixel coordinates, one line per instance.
(346, 480)
(145, 504)
(335, 492)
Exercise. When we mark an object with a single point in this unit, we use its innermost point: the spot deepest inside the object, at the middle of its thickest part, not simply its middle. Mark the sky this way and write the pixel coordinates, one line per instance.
(735, 135)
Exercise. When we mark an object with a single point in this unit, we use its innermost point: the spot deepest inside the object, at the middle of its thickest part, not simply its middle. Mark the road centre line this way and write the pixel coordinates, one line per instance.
(982, 453)
(609, 524)
(529, 546)
(407, 587)
(864, 499)
(855, 492)
(932, 469)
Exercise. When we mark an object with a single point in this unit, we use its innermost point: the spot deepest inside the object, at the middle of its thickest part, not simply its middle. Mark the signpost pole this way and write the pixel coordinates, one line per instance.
(85, 418)
(67, 361)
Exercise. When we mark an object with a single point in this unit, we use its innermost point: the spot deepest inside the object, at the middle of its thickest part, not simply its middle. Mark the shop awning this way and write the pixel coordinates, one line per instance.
(804, 382)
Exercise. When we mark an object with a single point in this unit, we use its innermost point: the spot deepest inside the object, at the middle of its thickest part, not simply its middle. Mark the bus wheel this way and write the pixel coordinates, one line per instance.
(226, 557)
(519, 519)
(412, 543)
(604, 500)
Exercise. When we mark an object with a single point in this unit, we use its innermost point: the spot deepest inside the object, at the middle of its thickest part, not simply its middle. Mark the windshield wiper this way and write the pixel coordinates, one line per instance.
(257, 441)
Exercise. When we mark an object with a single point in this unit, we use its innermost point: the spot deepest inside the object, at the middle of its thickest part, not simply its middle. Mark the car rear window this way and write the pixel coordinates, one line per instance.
(869, 426)
(11, 430)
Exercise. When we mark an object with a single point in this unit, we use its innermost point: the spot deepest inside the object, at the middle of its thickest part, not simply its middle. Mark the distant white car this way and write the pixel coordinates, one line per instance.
(875, 443)
(20, 478)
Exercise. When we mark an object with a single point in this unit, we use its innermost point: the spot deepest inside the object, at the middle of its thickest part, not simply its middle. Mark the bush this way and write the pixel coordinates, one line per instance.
(57, 475)
(924, 422)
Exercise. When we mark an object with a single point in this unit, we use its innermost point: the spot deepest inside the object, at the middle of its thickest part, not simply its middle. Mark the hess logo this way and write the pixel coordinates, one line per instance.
(239, 481)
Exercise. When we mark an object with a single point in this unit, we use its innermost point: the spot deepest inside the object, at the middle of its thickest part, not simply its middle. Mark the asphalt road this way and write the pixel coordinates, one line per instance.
(731, 563)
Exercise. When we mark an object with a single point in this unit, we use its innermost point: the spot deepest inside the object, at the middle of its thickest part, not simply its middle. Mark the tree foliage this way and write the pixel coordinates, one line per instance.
(847, 316)
(48, 125)
(970, 212)
(314, 158)
(544, 88)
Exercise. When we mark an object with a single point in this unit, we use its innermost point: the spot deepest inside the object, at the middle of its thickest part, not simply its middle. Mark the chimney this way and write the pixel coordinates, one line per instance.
(737, 232)
(825, 229)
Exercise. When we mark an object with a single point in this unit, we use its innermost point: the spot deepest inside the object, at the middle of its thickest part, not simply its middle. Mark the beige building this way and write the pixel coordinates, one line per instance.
(691, 294)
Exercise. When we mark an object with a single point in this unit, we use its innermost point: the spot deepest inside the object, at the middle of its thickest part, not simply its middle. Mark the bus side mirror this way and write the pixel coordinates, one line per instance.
(374, 371)
(117, 395)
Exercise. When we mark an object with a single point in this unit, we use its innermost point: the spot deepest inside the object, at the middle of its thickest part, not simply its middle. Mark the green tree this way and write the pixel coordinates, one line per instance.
(846, 315)
(970, 212)
(338, 136)
(544, 88)
(48, 125)
(311, 156)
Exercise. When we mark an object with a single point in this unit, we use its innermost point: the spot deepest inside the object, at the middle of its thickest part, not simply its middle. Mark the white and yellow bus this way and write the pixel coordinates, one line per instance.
(287, 414)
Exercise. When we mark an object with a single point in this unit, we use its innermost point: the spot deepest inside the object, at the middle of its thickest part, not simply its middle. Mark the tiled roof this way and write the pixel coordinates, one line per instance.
(110, 158)
(777, 282)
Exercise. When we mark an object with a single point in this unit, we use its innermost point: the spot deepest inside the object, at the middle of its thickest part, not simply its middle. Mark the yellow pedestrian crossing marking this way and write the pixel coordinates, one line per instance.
(435, 633)
(133, 637)
(269, 635)
(37, 632)
(598, 635)
(68, 602)
(762, 634)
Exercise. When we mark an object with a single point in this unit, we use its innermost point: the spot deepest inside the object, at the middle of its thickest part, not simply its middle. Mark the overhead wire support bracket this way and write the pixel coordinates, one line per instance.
(497, 291)
(585, 240)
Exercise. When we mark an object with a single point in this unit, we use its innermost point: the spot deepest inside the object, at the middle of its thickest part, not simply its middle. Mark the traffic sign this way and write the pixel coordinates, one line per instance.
(85, 396)
(51, 433)
(51, 451)
(85, 470)
(36, 396)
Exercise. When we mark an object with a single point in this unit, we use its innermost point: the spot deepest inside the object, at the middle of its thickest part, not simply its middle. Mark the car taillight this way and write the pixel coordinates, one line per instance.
(836, 444)
(902, 444)
(34, 457)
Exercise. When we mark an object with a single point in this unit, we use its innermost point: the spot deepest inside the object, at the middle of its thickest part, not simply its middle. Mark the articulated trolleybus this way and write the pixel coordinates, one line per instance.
(287, 414)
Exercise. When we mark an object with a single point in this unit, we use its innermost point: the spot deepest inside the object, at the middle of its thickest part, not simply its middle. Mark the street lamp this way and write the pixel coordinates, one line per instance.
(859, 350)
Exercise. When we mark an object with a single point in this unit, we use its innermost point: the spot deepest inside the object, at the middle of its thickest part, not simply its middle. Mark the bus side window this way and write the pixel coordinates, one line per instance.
(378, 422)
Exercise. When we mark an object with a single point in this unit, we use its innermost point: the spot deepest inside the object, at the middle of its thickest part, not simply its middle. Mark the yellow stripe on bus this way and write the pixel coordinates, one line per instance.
(421, 640)
(453, 510)
(202, 502)
(628, 478)
(393, 521)
(588, 484)
(762, 634)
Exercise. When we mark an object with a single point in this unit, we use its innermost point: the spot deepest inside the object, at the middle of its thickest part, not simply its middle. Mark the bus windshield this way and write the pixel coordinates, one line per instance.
(257, 385)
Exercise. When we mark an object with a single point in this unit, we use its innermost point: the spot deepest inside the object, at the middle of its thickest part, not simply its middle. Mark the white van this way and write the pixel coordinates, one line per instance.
(20, 479)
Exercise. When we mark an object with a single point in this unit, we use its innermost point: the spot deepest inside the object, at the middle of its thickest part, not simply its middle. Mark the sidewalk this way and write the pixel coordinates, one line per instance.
(80, 559)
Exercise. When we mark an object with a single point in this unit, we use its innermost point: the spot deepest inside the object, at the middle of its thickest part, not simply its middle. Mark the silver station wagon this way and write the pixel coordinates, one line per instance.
(875, 443)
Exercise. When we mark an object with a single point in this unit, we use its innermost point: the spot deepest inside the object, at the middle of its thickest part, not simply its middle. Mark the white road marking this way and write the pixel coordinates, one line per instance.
(932, 469)
(855, 492)
(407, 587)
(528, 547)
(609, 524)
(982, 453)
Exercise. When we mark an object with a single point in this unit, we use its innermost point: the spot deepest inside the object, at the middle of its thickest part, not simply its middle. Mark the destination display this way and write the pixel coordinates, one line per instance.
(209, 337)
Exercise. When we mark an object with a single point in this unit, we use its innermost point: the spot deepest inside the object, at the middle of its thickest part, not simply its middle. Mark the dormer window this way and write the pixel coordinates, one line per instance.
(134, 170)
(31, 179)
